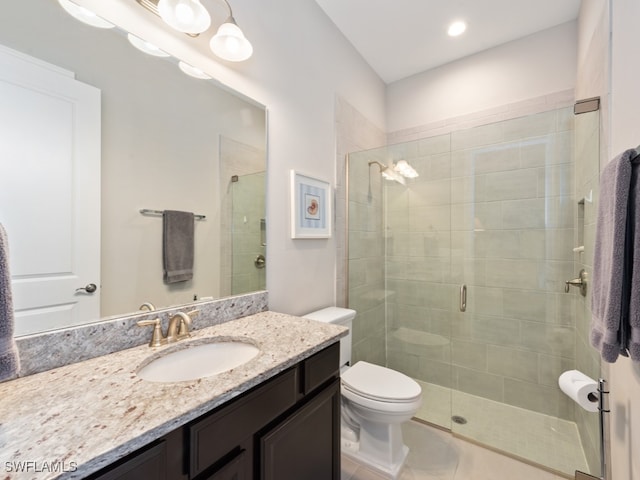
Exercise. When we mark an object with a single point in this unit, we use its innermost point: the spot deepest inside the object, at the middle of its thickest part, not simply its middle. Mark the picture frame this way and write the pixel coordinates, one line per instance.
(311, 207)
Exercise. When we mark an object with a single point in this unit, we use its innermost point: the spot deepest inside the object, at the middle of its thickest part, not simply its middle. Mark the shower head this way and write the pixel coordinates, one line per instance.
(388, 173)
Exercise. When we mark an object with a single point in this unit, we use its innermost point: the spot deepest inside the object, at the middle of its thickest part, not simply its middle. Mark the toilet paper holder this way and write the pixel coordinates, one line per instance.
(603, 408)
(601, 397)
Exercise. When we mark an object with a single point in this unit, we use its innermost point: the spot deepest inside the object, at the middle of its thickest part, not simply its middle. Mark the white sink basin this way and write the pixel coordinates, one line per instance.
(198, 361)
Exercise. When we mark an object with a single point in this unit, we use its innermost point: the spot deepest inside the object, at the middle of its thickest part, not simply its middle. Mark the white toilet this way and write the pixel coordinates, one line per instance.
(375, 402)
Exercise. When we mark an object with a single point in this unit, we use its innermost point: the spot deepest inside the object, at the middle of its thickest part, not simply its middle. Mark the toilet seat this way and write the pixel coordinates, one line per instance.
(380, 384)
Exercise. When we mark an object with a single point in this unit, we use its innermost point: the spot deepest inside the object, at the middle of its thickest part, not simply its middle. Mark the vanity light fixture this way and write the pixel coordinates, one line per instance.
(84, 15)
(193, 71)
(146, 47)
(457, 28)
(230, 43)
(187, 16)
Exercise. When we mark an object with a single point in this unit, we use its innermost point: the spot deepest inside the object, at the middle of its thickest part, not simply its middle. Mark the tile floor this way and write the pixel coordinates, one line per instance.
(438, 455)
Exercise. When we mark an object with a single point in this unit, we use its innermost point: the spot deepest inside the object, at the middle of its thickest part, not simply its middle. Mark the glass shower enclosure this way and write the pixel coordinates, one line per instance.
(458, 277)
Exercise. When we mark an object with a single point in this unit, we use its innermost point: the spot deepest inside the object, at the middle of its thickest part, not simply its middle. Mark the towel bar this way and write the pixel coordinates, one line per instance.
(146, 211)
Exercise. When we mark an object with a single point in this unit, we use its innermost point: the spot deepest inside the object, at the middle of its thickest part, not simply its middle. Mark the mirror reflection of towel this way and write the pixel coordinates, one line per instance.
(9, 360)
(177, 245)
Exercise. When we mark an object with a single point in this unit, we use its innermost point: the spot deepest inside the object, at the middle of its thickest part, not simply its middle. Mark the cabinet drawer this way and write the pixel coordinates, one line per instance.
(216, 435)
(320, 367)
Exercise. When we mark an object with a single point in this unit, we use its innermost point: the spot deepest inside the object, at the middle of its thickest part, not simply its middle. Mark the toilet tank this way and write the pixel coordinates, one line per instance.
(337, 316)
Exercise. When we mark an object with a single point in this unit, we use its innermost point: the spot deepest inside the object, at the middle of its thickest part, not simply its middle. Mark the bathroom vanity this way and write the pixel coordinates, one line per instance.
(286, 428)
(276, 417)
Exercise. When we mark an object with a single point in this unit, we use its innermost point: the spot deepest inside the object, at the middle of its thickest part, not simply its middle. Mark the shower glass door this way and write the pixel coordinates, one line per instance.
(493, 218)
(248, 234)
(513, 228)
(421, 277)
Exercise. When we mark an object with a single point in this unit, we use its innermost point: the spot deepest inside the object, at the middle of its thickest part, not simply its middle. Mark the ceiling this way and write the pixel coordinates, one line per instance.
(400, 38)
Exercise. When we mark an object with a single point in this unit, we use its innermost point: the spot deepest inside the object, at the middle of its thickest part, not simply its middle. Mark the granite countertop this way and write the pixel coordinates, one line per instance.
(73, 420)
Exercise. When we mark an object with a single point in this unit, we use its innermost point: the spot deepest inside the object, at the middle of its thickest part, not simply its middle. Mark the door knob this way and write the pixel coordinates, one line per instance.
(90, 288)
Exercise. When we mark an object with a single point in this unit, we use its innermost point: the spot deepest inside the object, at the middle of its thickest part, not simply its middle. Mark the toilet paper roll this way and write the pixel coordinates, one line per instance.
(580, 388)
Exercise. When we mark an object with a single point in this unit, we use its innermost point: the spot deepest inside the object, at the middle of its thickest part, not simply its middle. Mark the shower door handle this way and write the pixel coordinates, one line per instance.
(463, 298)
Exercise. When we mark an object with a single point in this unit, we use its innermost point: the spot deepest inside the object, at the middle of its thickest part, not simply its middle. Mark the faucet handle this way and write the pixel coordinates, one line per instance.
(183, 330)
(157, 339)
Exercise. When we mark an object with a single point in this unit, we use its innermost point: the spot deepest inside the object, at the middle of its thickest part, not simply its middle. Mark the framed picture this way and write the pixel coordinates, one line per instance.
(310, 207)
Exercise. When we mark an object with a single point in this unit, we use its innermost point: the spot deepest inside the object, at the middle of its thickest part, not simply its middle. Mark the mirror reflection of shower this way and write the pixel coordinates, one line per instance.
(396, 172)
(248, 234)
(243, 217)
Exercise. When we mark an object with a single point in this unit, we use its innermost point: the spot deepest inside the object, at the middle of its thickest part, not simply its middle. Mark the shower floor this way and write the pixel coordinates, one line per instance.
(541, 439)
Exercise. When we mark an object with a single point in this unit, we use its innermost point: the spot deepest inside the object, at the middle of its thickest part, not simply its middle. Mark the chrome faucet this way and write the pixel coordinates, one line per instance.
(179, 328)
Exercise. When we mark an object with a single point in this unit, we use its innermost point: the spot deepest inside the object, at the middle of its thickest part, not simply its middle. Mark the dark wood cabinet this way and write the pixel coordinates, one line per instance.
(305, 445)
(238, 468)
(287, 428)
(148, 463)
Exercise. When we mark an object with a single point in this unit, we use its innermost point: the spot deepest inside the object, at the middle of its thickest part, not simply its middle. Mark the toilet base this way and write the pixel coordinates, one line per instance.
(351, 450)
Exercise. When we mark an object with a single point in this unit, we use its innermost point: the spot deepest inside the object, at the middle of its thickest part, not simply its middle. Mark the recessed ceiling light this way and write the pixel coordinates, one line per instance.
(457, 28)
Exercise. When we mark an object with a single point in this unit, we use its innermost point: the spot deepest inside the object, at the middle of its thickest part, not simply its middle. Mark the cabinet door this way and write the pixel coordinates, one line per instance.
(150, 464)
(236, 469)
(306, 445)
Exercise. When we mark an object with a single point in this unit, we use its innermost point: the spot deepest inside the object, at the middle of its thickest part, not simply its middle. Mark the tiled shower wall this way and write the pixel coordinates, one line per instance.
(494, 209)
(362, 273)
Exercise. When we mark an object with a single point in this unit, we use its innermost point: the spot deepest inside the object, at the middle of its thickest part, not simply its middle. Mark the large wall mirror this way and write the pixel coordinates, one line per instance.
(167, 142)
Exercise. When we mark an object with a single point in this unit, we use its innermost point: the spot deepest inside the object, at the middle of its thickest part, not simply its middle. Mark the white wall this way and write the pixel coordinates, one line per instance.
(496, 77)
(625, 133)
(300, 63)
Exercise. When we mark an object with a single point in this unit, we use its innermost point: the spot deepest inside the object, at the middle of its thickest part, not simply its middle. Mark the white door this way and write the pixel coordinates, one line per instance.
(49, 192)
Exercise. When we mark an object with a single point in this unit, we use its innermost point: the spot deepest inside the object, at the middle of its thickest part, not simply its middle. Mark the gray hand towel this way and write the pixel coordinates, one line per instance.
(177, 245)
(608, 264)
(9, 360)
(633, 236)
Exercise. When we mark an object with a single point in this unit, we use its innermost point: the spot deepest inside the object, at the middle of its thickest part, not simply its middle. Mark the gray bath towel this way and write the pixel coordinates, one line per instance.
(177, 246)
(9, 360)
(632, 329)
(609, 285)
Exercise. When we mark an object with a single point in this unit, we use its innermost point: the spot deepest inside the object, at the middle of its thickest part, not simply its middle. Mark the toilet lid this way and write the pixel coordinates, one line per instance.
(380, 383)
